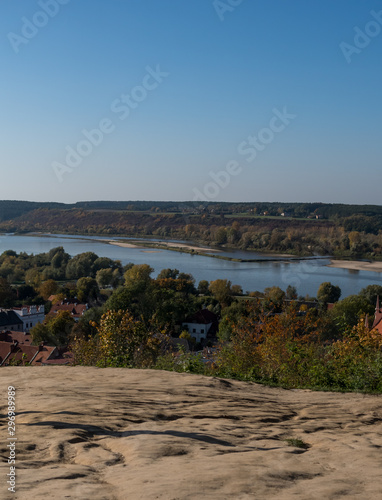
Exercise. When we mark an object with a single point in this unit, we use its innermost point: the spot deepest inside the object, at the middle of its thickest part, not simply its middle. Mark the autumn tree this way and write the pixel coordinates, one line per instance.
(48, 288)
(274, 298)
(126, 341)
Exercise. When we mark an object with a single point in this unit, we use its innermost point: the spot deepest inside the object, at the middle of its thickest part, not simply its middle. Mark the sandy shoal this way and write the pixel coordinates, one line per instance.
(115, 434)
(165, 244)
(356, 265)
(121, 244)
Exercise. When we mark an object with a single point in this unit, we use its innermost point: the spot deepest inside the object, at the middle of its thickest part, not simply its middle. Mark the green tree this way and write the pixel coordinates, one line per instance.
(60, 328)
(41, 333)
(7, 295)
(58, 258)
(221, 236)
(370, 293)
(168, 274)
(138, 278)
(87, 289)
(103, 263)
(104, 277)
(33, 277)
(81, 265)
(221, 290)
(291, 292)
(203, 287)
(348, 312)
(328, 293)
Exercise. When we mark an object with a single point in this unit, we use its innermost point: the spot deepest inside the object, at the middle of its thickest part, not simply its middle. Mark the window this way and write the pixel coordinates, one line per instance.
(193, 330)
(202, 330)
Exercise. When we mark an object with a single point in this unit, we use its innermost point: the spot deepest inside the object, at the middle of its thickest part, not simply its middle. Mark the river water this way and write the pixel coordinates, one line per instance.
(306, 275)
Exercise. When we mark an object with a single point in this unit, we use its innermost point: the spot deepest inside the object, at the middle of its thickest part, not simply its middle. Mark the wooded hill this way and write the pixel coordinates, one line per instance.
(300, 228)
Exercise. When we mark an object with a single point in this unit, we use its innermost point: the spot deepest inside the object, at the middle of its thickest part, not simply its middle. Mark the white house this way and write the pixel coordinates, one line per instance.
(30, 315)
(200, 324)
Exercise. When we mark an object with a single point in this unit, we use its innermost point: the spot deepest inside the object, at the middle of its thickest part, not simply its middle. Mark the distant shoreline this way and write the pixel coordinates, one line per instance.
(200, 251)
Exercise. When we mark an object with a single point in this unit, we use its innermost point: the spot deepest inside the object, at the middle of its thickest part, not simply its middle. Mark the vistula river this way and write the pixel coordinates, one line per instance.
(305, 275)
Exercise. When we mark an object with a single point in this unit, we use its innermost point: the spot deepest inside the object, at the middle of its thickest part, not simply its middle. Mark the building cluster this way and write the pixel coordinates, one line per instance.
(15, 339)
(16, 342)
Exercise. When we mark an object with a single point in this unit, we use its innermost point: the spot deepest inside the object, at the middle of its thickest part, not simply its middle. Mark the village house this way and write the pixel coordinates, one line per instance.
(30, 316)
(202, 325)
(9, 320)
(75, 308)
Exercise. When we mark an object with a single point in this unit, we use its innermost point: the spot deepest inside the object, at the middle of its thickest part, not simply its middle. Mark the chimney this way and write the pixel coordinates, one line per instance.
(13, 347)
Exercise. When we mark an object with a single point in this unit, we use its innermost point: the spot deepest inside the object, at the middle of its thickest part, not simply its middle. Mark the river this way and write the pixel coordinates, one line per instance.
(306, 275)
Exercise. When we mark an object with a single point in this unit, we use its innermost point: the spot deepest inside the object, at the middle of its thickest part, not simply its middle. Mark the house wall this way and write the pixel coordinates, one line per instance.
(30, 316)
(197, 330)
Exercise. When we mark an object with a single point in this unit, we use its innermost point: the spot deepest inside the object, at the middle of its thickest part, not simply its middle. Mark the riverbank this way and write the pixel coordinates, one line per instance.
(203, 251)
(356, 265)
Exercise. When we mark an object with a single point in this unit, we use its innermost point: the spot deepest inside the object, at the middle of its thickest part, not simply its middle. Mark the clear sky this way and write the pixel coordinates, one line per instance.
(175, 92)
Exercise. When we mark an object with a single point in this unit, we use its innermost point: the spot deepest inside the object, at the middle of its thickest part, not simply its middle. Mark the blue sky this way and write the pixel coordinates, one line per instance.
(226, 70)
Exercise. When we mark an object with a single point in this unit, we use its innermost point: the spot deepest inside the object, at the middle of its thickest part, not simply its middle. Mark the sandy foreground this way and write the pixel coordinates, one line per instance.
(116, 434)
(356, 265)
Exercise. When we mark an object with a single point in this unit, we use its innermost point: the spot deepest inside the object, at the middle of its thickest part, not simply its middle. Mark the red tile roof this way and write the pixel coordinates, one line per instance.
(203, 317)
(34, 355)
(21, 337)
(377, 323)
(76, 310)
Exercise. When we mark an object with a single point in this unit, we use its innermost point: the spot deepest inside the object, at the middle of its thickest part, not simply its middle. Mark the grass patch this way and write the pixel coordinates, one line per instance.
(297, 443)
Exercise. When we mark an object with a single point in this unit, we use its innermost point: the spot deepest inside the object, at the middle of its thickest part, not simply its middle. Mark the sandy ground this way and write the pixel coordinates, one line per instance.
(116, 434)
(356, 265)
(167, 244)
(124, 245)
(190, 247)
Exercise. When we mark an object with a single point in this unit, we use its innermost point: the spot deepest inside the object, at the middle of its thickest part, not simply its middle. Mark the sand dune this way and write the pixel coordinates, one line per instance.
(105, 434)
